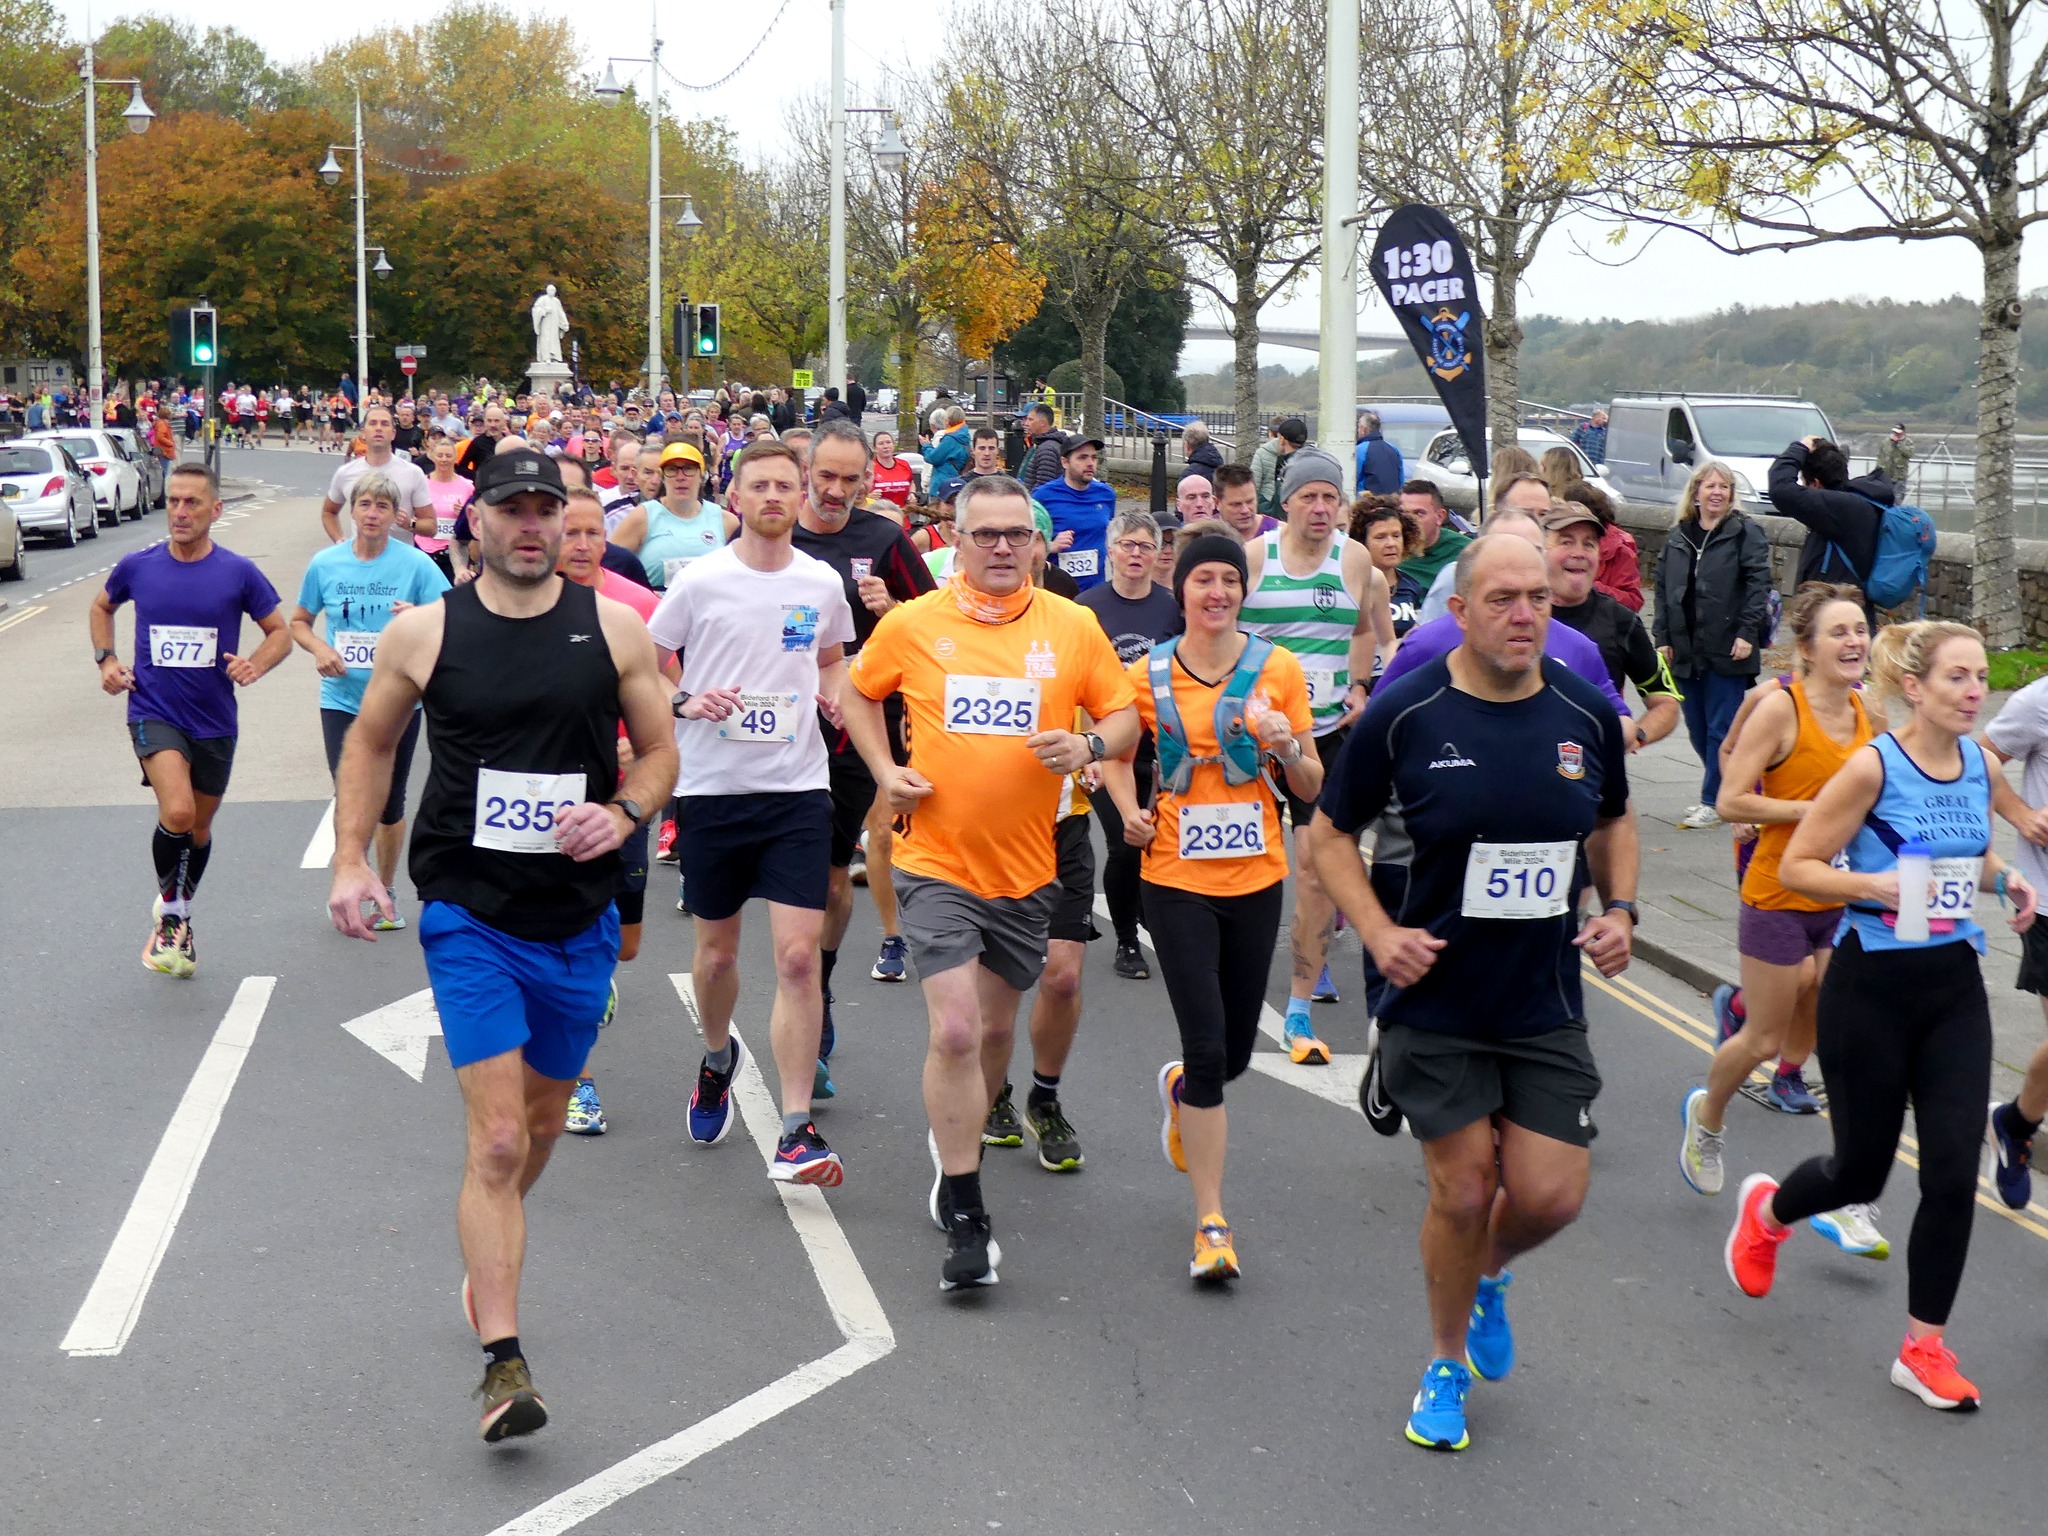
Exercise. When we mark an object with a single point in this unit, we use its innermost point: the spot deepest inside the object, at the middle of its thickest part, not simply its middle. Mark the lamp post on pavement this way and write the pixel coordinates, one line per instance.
(1338, 363)
(890, 154)
(138, 117)
(330, 173)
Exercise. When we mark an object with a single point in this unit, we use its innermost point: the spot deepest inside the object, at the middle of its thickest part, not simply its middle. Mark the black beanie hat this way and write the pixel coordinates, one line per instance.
(1210, 548)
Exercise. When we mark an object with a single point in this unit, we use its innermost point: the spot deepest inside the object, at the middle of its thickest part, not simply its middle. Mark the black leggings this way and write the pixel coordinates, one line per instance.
(334, 728)
(1215, 953)
(1895, 1025)
(1121, 865)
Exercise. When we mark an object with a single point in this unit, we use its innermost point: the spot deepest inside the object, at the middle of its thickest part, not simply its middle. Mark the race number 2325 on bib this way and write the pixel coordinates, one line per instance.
(1223, 831)
(517, 812)
(992, 706)
(183, 645)
(1519, 882)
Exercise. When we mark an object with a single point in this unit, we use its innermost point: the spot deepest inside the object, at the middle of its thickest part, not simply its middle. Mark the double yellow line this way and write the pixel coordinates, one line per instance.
(10, 620)
(1696, 1033)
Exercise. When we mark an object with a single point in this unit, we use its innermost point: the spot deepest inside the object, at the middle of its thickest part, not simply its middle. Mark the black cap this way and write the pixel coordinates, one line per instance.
(505, 475)
(1294, 429)
(1076, 441)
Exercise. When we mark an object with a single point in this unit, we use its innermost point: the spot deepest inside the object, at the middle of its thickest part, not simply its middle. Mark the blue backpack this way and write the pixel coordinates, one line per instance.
(1242, 756)
(1905, 551)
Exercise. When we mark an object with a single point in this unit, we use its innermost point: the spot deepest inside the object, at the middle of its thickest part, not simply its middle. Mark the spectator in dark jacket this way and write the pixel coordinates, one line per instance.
(1809, 483)
(856, 400)
(1042, 461)
(1713, 598)
(832, 408)
(1590, 437)
(1379, 467)
(1203, 457)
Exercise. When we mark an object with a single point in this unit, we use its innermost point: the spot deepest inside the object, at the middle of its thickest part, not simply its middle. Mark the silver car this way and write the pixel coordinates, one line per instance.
(46, 490)
(151, 468)
(1446, 462)
(116, 483)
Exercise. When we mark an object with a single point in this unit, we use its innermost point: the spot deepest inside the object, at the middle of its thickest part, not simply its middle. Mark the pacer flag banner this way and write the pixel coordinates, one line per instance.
(1426, 276)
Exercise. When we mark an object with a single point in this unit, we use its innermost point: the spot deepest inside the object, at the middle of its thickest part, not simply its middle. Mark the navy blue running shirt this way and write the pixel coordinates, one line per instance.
(1545, 769)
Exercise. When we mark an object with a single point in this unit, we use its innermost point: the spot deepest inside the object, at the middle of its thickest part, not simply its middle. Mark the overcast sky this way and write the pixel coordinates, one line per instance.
(1677, 275)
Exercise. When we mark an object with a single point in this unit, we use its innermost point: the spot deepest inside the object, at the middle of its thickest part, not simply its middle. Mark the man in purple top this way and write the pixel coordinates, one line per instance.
(190, 596)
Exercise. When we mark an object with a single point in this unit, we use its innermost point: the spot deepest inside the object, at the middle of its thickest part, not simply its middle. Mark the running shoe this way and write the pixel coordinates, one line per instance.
(1003, 1128)
(1437, 1421)
(1325, 989)
(1699, 1149)
(665, 844)
(511, 1406)
(611, 1004)
(1726, 1024)
(683, 897)
(1853, 1229)
(1380, 1113)
(711, 1102)
(857, 870)
(1489, 1341)
(1130, 963)
(1170, 1077)
(822, 1086)
(971, 1254)
(1790, 1094)
(586, 1115)
(396, 921)
(1215, 1256)
(890, 964)
(802, 1157)
(1927, 1369)
(1303, 1048)
(1699, 818)
(941, 1207)
(1751, 1252)
(1059, 1149)
(166, 952)
(2011, 1158)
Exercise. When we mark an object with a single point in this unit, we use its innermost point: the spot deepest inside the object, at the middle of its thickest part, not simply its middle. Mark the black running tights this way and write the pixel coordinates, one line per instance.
(1216, 955)
(1121, 864)
(1897, 1026)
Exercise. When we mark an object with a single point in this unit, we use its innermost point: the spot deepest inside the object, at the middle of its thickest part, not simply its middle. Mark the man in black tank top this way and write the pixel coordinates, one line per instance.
(526, 679)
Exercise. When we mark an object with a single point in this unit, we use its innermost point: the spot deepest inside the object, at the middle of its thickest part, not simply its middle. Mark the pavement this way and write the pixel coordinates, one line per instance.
(232, 1288)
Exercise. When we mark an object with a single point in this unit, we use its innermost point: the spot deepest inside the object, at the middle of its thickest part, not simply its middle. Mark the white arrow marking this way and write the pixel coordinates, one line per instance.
(399, 1032)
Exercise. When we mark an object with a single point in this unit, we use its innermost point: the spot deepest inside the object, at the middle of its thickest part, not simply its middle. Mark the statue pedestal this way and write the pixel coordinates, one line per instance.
(545, 378)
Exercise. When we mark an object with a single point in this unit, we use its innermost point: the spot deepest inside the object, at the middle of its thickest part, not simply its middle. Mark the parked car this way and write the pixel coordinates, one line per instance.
(15, 543)
(1446, 462)
(45, 491)
(1656, 440)
(147, 464)
(116, 482)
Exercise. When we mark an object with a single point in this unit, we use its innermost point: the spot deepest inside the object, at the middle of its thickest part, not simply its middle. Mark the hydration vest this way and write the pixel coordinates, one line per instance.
(1242, 758)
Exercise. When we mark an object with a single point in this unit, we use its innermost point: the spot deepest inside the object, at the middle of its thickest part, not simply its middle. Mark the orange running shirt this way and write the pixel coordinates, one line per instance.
(1815, 758)
(1285, 689)
(988, 824)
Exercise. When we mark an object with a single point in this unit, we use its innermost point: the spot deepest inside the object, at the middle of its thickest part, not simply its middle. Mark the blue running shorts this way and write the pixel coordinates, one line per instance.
(495, 993)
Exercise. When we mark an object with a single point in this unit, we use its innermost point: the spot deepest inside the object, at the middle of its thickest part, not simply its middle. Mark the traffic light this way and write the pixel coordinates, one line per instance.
(707, 332)
(204, 336)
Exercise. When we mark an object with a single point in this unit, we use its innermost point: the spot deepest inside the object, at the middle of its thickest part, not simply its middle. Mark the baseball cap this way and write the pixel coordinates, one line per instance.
(1294, 429)
(947, 489)
(1082, 442)
(681, 453)
(1563, 515)
(500, 478)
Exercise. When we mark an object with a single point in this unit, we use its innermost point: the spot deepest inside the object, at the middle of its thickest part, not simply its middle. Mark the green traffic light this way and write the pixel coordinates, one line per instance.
(202, 353)
(707, 344)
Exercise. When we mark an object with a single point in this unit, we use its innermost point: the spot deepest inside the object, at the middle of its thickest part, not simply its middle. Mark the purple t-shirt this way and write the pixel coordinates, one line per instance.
(1440, 636)
(188, 620)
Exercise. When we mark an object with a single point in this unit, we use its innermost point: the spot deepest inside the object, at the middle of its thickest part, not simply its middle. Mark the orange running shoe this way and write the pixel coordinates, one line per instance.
(1752, 1249)
(1927, 1369)
(1170, 1077)
(1215, 1257)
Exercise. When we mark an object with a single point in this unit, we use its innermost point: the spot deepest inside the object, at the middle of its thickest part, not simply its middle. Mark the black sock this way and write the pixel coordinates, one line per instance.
(2017, 1125)
(196, 866)
(171, 851)
(963, 1192)
(827, 958)
(502, 1350)
(1044, 1090)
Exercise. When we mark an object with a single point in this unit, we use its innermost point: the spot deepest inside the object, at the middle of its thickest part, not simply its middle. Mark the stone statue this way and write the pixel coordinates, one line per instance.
(550, 323)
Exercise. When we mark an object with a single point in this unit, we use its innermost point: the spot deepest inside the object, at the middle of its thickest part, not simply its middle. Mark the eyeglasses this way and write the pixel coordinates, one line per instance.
(1135, 547)
(988, 538)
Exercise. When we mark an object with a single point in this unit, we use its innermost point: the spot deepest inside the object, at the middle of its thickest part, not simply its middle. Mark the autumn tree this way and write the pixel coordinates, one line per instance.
(42, 125)
(763, 256)
(978, 282)
(182, 70)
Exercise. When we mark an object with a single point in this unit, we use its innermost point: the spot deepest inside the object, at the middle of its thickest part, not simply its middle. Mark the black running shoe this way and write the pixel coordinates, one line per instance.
(971, 1254)
(1130, 963)
(1003, 1128)
(1059, 1149)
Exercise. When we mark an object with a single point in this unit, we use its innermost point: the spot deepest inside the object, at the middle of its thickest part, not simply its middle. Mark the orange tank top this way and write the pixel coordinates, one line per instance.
(1815, 758)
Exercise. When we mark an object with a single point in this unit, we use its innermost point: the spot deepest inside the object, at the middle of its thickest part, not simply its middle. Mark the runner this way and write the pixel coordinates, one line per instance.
(1902, 1016)
(451, 494)
(190, 596)
(983, 664)
(1572, 535)
(1137, 614)
(678, 527)
(894, 478)
(2020, 733)
(1237, 503)
(878, 568)
(515, 865)
(1081, 507)
(417, 498)
(1221, 703)
(1390, 536)
(1795, 740)
(1510, 774)
(761, 629)
(1320, 598)
(361, 586)
(942, 534)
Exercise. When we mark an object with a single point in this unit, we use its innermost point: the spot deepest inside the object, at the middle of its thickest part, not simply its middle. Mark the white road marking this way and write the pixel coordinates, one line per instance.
(320, 851)
(399, 1031)
(114, 1304)
(855, 1309)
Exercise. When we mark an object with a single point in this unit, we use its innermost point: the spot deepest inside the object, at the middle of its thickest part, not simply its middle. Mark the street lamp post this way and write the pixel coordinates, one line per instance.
(890, 154)
(1338, 364)
(138, 117)
(330, 172)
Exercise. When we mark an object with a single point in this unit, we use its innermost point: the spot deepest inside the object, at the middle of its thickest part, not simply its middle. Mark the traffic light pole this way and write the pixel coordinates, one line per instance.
(210, 440)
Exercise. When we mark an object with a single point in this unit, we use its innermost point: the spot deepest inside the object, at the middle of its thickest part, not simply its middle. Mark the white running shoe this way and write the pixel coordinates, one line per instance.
(1853, 1229)
(1699, 818)
(1699, 1150)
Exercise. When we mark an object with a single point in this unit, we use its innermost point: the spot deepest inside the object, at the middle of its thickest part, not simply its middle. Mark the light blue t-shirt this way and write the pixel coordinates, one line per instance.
(356, 595)
(1952, 817)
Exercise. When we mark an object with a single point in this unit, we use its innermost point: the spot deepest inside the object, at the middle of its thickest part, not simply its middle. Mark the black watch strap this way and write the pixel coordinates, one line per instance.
(1634, 917)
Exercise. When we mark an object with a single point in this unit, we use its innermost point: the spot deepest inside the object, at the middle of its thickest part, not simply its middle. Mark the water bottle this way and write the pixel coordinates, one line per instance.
(1916, 873)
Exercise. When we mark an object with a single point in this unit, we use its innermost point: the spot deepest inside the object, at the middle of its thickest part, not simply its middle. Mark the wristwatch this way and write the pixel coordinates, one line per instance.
(102, 656)
(675, 705)
(1634, 917)
(1097, 750)
(632, 809)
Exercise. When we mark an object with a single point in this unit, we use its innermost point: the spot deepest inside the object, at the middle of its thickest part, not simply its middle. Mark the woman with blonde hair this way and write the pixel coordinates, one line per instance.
(1560, 466)
(1510, 462)
(1902, 1017)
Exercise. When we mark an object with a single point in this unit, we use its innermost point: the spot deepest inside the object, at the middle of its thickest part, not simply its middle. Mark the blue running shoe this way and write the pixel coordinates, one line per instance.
(711, 1103)
(2011, 1159)
(1438, 1420)
(891, 965)
(586, 1115)
(1325, 989)
(1789, 1092)
(1299, 1036)
(802, 1157)
(1489, 1341)
(1725, 1022)
(822, 1086)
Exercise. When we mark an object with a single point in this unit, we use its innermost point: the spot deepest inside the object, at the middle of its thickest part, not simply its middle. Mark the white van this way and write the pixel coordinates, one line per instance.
(1656, 440)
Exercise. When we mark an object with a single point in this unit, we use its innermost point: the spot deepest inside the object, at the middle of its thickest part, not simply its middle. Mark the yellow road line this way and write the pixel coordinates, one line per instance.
(13, 619)
(2034, 1218)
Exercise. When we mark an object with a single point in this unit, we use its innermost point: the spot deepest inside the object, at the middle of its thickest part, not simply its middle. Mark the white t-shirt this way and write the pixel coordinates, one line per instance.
(759, 632)
(412, 486)
(2020, 731)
